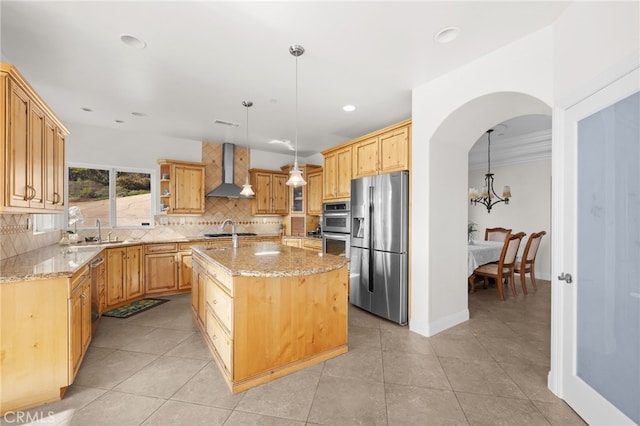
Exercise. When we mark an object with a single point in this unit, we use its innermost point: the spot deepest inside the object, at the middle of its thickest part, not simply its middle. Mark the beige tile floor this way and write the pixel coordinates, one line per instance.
(154, 369)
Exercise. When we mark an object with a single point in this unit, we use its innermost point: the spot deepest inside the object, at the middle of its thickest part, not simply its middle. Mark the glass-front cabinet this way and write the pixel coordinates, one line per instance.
(297, 200)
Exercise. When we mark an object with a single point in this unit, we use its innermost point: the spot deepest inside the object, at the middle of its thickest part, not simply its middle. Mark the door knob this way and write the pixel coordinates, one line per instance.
(565, 277)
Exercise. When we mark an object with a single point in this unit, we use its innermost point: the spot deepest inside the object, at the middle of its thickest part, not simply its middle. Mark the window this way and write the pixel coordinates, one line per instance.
(47, 222)
(119, 198)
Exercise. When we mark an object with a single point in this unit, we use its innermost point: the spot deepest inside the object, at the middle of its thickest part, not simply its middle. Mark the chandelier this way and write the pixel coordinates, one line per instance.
(295, 175)
(488, 196)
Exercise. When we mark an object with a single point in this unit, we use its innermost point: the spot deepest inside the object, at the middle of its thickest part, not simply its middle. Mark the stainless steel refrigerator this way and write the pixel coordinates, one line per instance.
(379, 245)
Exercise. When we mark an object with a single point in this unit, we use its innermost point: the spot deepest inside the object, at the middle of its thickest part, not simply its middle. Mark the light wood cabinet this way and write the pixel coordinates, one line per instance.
(167, 271)
(337, 174)
(314, 193)
(32, 148)
(185, 265)
(182, 187)
(54, 166)
(198, 283)
(161, 273)
(271, 192)
(313, 244)
(365, 157)
(79, 320)
(299, 196)
(292, 242)
(45, 326)
(395, 150)
(253, 349)
(125, 273)
(385, 152)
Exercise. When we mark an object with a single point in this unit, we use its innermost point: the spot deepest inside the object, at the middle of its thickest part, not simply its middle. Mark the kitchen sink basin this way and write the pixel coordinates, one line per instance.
(103, 244)
(218, 248)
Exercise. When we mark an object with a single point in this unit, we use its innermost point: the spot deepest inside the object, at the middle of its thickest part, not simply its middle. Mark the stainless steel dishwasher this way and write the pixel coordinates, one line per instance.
(95, 290)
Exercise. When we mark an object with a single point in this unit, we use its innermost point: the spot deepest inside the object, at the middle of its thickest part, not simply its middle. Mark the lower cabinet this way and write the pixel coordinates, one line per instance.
(313, 244)
(79, 320)
(261, 328)
(167, 270)
(292, 242)
(198, 294)
(185, 265)
(46, 329)
(125, 273)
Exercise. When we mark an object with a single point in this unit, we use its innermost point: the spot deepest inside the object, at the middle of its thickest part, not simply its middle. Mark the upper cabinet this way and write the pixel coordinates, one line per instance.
(299, 197)
(32, 148)
(271, 192)
(384, 152)
(182, 187)
(314, 192)
(337, 174)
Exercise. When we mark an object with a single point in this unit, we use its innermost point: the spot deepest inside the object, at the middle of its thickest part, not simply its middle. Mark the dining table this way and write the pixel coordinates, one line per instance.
(481, 252)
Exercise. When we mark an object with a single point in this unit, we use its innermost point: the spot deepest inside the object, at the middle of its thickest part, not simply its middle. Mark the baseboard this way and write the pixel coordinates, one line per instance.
(447, 322)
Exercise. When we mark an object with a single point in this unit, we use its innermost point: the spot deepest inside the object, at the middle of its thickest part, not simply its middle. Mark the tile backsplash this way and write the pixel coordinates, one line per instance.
(16, 230)
(16, 235)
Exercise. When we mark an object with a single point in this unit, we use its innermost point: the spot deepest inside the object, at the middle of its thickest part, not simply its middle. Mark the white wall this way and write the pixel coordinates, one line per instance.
(586, 47)
(110, 147)
(529, 209)
(594, 43)
(449, 114)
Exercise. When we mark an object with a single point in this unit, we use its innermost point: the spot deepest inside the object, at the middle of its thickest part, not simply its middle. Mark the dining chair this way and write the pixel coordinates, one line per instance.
(528, 261)
(496, 234)
(501, 270)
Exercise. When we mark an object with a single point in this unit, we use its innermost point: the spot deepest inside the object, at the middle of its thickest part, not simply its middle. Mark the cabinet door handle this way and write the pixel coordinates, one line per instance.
(215, 301)
(30, 193)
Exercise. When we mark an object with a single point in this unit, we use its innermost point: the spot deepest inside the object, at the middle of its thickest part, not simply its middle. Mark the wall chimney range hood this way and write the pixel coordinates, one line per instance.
(227, 188)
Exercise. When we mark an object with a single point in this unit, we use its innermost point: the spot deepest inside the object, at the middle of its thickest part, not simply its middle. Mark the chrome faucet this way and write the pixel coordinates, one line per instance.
(99, 231)
(234, 236)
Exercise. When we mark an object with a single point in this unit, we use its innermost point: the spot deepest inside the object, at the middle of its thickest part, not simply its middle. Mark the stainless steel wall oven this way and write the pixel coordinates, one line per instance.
(336, 228)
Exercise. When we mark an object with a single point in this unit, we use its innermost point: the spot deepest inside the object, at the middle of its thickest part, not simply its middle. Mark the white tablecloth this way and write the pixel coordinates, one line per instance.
(482, 252)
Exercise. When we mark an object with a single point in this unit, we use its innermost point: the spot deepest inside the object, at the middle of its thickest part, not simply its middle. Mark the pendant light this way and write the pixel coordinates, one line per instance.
(295, 175)
(247, 191)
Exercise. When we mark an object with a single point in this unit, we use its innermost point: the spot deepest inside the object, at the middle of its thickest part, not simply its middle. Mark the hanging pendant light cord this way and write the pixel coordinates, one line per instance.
(489, 151)
(296, 159)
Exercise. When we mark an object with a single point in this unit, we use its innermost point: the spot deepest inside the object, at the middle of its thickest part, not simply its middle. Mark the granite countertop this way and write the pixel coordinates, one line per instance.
(270, 260)
(57, 261)
(47, 262)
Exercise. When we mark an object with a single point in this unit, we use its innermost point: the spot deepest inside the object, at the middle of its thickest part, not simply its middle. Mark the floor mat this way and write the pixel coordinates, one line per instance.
(133, 308)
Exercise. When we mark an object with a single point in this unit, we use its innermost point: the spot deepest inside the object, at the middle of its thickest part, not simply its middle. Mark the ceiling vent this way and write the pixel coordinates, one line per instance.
(226, 123)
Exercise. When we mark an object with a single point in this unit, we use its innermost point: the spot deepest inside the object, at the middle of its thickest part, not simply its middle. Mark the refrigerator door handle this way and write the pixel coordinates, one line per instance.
(371, 239)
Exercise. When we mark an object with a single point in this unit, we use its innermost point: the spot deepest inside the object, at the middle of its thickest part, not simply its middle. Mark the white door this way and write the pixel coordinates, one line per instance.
(598, 312)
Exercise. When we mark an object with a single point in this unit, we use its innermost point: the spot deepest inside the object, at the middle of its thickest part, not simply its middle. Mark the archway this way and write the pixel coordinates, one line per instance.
(447, 186)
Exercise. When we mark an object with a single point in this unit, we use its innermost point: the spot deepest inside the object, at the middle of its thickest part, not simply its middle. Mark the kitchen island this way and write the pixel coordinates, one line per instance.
(266, 310)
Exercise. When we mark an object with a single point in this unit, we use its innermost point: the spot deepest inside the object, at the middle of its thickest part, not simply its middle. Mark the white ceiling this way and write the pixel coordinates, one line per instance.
(204, 58)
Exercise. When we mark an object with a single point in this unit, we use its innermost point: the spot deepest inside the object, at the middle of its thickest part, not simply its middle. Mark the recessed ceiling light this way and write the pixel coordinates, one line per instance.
(447, 34)
(85, 109)
(349, 108)
(133, 41)
(119, 121)
(139, 114)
